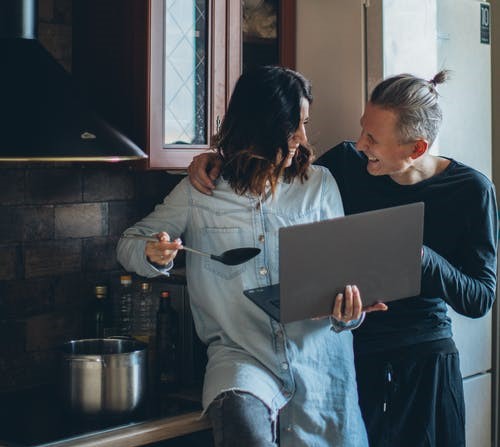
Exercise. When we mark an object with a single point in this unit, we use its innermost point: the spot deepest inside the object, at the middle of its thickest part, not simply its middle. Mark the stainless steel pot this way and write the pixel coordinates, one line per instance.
(104, 377)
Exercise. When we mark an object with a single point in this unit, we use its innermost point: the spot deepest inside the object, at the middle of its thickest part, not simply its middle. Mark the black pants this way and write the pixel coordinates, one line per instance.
(413, 397)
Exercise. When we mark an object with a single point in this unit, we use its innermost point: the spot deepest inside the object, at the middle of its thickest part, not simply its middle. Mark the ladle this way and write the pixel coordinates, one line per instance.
(234, 256)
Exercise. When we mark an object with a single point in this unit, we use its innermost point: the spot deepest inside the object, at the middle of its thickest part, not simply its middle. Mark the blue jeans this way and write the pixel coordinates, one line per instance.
(240, 419)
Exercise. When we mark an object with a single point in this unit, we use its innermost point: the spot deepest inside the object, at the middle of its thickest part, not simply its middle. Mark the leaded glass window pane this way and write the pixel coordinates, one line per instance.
(185, 72)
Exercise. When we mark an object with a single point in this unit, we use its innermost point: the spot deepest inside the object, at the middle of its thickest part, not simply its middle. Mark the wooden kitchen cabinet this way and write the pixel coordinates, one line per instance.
(162, 71)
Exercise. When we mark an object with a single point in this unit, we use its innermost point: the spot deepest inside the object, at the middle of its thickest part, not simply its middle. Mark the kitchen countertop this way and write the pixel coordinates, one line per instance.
(138, 434)
(36, 418)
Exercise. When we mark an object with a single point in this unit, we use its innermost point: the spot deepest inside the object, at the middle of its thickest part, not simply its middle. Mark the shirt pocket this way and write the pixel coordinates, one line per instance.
(216, 240)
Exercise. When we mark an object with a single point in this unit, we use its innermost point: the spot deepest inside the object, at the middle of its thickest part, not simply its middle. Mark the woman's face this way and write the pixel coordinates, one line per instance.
(299, 137)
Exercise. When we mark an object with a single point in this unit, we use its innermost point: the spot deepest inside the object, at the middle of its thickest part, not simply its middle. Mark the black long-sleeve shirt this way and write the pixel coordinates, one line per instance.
(460, 243)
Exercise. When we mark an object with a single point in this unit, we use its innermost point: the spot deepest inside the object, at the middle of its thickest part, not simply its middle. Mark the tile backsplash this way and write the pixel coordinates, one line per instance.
(58, 231)
(59, 224)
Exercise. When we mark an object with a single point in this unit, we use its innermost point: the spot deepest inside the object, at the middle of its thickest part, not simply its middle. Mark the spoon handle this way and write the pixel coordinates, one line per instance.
(192, 250)
(153, 239)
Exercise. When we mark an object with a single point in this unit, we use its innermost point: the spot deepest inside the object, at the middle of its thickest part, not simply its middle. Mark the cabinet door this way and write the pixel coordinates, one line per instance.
(195, 53)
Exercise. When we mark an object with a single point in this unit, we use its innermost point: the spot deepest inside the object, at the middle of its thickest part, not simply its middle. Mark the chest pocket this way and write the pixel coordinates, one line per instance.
(216, 240)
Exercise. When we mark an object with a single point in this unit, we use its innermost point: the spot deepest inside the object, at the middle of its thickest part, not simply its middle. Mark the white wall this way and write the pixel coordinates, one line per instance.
(330, 52)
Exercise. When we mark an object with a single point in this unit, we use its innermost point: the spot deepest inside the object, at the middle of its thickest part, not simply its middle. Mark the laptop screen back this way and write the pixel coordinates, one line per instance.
(379, 251)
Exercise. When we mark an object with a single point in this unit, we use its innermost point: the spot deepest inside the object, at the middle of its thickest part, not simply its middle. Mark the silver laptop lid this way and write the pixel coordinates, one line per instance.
(379, 251)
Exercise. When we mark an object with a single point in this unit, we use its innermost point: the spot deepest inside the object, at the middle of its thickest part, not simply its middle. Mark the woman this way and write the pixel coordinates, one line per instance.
(258, 368)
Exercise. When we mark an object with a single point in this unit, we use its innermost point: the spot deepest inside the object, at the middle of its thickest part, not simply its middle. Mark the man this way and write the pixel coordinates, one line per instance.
(407, 364)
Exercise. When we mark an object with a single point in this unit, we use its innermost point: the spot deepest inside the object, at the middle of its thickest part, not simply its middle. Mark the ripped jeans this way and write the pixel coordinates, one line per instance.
(240, 419)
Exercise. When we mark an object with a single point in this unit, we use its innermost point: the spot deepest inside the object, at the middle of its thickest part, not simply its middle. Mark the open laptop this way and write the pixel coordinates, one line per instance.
(379, 251)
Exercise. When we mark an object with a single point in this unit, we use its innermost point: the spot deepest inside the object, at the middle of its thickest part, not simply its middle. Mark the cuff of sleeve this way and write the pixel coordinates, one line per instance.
(340, 326)
(157, 268)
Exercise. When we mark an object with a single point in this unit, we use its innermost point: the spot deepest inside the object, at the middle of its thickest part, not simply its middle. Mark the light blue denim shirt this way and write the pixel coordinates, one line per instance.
(304, 369)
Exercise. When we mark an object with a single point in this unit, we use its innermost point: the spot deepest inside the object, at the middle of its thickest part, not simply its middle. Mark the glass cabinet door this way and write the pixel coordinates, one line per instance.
(194, 62)
(185, 71)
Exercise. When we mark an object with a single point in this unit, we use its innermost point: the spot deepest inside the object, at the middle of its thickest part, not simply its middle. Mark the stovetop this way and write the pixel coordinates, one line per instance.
(36, 417)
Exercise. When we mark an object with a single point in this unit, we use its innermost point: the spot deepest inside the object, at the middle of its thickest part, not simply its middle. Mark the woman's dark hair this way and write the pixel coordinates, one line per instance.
(263, 113)
(415, 101)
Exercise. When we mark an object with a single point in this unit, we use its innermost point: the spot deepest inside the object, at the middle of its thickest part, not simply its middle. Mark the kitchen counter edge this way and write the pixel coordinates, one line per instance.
(138, 434)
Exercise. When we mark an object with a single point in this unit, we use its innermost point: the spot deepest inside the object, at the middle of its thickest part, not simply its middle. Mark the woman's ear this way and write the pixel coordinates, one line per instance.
(419, 148)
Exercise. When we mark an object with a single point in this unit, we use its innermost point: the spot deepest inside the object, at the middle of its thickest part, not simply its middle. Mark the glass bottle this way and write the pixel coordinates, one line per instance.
(143, 321)
(123, 306)
(97, 318)
(167, 330)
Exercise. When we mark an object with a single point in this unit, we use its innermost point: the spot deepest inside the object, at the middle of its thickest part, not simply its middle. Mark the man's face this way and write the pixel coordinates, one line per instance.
(380, 142)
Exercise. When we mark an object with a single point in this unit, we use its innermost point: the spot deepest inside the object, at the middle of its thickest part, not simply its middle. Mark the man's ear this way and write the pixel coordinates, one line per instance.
(419, 148)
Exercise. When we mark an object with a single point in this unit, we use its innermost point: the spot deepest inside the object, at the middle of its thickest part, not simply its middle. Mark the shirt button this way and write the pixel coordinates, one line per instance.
(289, 428)
(287, 393)
(262, 238)
(284, 366)
(263, 271)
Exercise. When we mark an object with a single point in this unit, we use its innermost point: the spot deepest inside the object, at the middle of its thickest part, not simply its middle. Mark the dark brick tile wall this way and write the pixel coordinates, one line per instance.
(10, 261)
(81, 220)
(99, 254)
(53, 185)
(47, 331)
(26, 223)
(104, 184)
(27, 297)
(59, 227)
(52, 258)
(12, 187)
(121, 215)
(37, 223)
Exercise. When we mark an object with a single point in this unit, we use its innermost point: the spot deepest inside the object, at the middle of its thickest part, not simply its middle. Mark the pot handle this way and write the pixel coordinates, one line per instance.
(120, 337)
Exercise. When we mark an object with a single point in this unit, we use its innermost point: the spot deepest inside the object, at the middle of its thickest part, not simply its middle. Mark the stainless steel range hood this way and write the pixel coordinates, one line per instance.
(43, 115)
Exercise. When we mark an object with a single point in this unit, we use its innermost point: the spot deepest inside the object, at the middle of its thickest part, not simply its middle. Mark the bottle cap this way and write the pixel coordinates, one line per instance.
(101, 291)
(126, 279)
(165, 294)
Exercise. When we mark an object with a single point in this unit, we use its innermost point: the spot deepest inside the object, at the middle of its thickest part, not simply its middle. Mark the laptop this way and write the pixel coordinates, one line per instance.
(379, 251)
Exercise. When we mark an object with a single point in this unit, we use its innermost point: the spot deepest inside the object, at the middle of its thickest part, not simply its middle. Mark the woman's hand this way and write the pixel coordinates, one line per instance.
(348, 305)
(203, 171)
(163, 251)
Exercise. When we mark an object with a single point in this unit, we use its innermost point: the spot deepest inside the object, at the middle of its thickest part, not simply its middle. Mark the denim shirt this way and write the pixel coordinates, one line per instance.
(303, 369)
